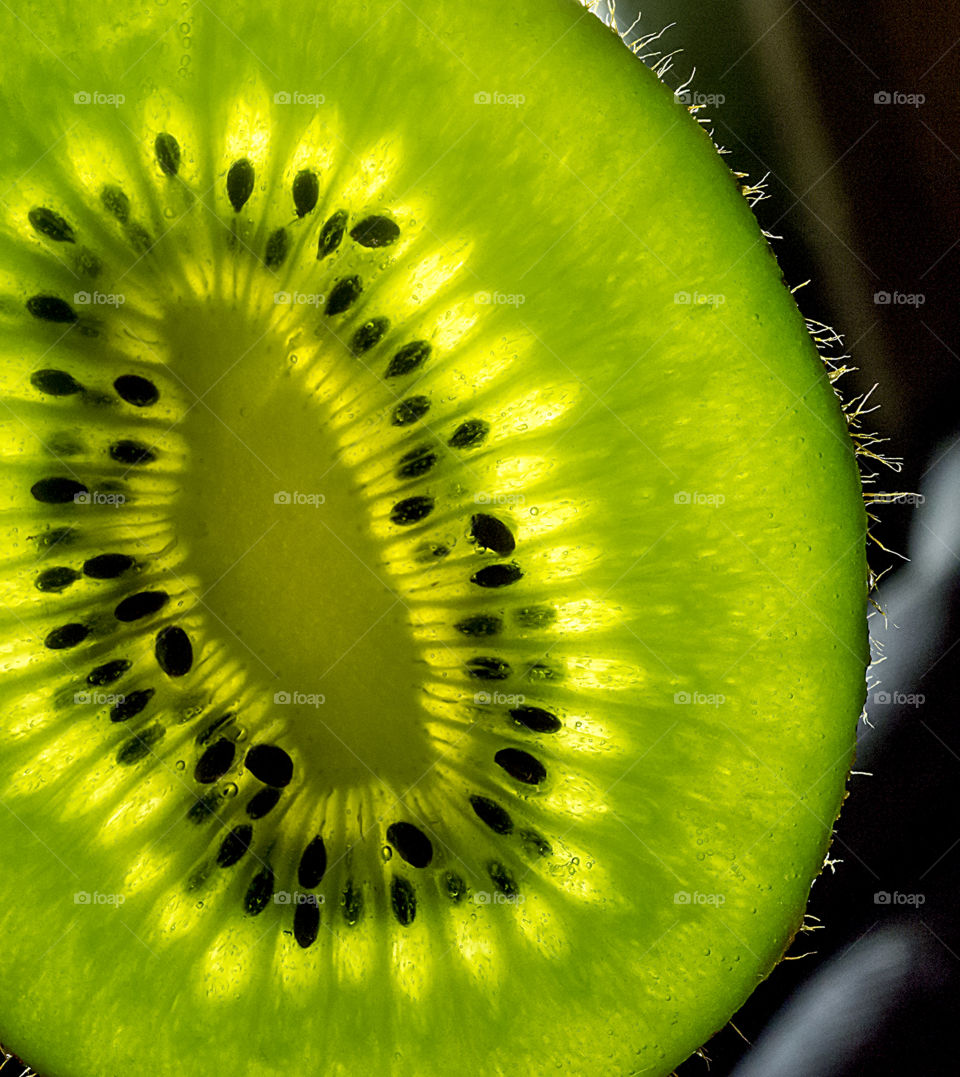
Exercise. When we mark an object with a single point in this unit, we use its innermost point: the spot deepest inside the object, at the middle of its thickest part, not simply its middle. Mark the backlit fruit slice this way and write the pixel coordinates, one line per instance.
(434, 588)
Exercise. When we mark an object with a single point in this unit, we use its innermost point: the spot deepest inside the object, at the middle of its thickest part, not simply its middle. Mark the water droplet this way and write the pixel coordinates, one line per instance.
(386, 852)
(180, 764)
(199, 904)
(534, 512)
(230, 789)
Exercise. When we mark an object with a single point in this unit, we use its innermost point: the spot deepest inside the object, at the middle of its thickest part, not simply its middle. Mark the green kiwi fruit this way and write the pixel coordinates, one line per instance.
(434, 585)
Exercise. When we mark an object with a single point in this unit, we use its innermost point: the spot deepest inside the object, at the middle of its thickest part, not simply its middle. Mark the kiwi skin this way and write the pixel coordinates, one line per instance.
(653, 598)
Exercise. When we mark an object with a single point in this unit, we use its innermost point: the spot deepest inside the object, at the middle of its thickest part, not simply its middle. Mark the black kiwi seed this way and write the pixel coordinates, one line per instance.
(369, 335)
(69, 635)
(131, 452)
(497, 575)
(51, 224)
(141, 745)
(521, 765)
(306, 191)
(454, 885)
(203, 808)
(259, 892)
(51, 308)
(536, 719)
(375, 231)
(270, 764)
(331, 234)
(262, 803)
(410, 411)
(488, 669)
(136, 390)
(56, 579)
(351, 904)
(240, 183)
(174, 651)
(343, 295)
(55, 382)
(489, 812)
(403, 900)
(313, 864)
(411, 843)
(502, 879)
(142, 604)
(535, 842)
(234, 845)
(277, 246)
(306, 923)
(469, 435)
(56, 536)
(57, 490)
(489, 533)
(409, 358)
(167, 151)
(480, 625)
(116, 203)
(411, 510)
(108, 672)
(416, 462)
(215, 761)
(139, 237)
(107, 566)
(131, 705)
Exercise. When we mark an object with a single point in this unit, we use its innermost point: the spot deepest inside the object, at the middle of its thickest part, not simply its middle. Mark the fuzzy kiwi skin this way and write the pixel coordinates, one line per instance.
(759, 783)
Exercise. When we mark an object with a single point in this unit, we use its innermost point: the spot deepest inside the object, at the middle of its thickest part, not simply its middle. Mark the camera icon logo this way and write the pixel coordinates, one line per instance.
(881, 97)
(281, 698)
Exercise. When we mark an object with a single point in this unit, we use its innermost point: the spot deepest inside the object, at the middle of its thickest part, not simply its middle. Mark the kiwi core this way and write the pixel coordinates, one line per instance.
(285, 558)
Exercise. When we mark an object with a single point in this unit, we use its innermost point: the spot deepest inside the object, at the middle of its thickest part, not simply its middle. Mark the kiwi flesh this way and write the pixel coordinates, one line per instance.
(434, 583)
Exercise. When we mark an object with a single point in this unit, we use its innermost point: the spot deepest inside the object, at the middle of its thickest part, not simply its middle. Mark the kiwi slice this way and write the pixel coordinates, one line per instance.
(434, 582)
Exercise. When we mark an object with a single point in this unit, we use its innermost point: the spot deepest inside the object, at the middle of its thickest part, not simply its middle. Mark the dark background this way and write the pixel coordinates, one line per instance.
(865, 193)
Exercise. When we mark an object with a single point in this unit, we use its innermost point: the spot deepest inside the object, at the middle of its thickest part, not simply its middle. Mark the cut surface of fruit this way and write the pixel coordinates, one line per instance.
(434, 589)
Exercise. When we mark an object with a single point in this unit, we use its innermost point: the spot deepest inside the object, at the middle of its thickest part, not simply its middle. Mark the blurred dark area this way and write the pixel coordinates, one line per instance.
(852, 113)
